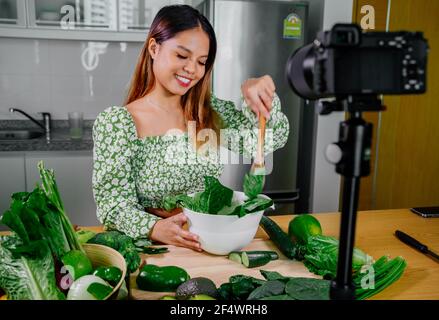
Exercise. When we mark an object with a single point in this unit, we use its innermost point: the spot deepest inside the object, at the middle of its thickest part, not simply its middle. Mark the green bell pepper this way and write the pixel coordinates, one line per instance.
(161, 279)
(110, 274)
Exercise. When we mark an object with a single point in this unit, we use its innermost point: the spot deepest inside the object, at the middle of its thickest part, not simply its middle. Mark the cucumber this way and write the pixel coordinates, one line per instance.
(279, 237)
(255, 259)
(235, 256)
(273, 254)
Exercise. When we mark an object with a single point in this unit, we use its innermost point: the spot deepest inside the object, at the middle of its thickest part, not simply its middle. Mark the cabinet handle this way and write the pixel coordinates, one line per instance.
(139, 27)
(8, 21)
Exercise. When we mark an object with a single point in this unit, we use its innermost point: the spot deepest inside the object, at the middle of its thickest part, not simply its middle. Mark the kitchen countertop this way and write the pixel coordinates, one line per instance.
(60, 138)
(374, 235)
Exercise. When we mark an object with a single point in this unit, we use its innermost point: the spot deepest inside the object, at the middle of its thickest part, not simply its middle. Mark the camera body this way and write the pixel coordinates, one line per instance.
(347, 61)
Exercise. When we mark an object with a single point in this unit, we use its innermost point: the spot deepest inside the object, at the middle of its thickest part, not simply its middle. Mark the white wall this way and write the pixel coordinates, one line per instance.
(326, 182)
(59, 76)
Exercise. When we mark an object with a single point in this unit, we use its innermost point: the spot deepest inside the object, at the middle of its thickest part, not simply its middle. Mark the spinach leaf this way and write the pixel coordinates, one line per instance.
(257, 204)
(308, 289)
(212, 200)
(225, 291)
(321, 254)
(241, 286)
(253, 185)
(171, 202)
(278, 297)
(273, 275)
(215, 196)
(240, 277)
(149, 250)
(270, 288)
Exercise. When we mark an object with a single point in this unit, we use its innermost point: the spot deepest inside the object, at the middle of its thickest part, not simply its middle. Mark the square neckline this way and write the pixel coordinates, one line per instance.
(153, 137)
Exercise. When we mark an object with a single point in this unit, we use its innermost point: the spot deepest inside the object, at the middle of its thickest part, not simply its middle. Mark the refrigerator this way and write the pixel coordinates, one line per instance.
(256, 38)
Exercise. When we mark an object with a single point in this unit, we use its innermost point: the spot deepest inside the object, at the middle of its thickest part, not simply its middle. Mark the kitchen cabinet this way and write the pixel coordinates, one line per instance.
(137, 15)
(73, 174)
(87, 20)
(12, 13)
(69, 14)
(12, 178)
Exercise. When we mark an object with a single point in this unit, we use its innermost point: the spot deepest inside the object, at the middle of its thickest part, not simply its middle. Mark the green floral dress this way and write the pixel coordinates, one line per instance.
(131, 173)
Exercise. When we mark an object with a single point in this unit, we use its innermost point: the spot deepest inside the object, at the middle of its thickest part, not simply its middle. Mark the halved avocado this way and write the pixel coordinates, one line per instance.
(196, 286)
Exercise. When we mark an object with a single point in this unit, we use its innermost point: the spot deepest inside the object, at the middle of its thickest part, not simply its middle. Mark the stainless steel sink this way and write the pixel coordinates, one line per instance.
(14, 134)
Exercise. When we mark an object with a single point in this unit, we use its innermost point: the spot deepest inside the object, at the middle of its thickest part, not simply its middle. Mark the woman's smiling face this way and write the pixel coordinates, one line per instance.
(179, 63)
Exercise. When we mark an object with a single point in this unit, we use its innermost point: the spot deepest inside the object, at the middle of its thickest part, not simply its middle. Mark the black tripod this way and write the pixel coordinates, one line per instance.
(351, 156)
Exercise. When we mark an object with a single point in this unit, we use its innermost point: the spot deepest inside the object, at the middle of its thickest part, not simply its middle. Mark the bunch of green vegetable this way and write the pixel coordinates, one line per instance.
(274, 287)
(217, 198)
(320, 255)
(43, 258)
(42, 235)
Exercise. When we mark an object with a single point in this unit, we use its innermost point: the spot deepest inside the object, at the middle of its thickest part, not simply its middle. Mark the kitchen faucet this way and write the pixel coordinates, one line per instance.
(46, 121)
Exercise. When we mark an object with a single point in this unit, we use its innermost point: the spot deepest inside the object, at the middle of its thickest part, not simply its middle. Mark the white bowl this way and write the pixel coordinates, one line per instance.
(221, 234)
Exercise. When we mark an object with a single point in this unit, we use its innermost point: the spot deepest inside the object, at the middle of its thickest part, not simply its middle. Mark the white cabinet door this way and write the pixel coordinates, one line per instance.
(12, 179)
(12, 13)
(78, 14)
(137, 15)
(73, 174)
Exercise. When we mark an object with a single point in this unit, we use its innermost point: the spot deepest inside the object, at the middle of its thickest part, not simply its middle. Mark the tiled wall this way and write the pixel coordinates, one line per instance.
(59, 76)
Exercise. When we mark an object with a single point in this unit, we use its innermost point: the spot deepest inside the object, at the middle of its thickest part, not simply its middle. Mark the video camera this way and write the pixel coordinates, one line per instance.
(348, 61)
(355, 68)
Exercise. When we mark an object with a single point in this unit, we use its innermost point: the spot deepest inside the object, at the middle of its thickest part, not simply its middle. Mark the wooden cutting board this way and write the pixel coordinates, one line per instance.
(216, 268)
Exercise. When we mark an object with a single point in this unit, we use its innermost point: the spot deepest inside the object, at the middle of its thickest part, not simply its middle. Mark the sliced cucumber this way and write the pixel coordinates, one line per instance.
(238, 256)
(273, 254)
(235, 256)
(251, 260)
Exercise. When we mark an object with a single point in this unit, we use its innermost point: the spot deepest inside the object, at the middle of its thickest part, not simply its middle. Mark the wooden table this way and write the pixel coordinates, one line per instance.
(374, 235)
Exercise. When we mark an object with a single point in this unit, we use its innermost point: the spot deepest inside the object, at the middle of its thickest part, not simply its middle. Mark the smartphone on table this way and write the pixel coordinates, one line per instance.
(426, 212)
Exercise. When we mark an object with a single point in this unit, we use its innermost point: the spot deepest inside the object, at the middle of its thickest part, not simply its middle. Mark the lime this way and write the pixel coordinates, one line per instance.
(302, 227)
(77, 263)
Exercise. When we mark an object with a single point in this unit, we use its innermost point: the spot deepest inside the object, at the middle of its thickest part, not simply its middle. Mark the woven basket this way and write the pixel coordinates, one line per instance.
(103, 256)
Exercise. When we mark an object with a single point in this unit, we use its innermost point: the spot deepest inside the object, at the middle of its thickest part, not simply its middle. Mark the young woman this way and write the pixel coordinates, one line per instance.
(135, 165)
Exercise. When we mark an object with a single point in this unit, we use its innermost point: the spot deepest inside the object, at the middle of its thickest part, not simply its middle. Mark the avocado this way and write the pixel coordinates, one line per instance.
(196, 286)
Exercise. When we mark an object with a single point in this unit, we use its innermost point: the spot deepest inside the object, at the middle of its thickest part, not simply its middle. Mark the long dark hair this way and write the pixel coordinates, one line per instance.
(196, 103)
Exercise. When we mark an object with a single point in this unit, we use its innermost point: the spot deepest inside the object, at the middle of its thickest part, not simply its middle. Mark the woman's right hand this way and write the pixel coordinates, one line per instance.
(170, 231)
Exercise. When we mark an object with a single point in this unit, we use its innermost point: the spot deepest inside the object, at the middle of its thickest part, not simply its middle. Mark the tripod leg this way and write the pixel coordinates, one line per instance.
(343, 288)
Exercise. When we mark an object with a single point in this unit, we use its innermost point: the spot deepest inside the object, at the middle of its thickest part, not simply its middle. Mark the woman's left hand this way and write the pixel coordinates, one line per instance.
(258, 94)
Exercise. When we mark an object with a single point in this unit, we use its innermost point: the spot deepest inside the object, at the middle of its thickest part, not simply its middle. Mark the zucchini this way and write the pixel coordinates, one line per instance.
(279, 237)
(251, 260)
